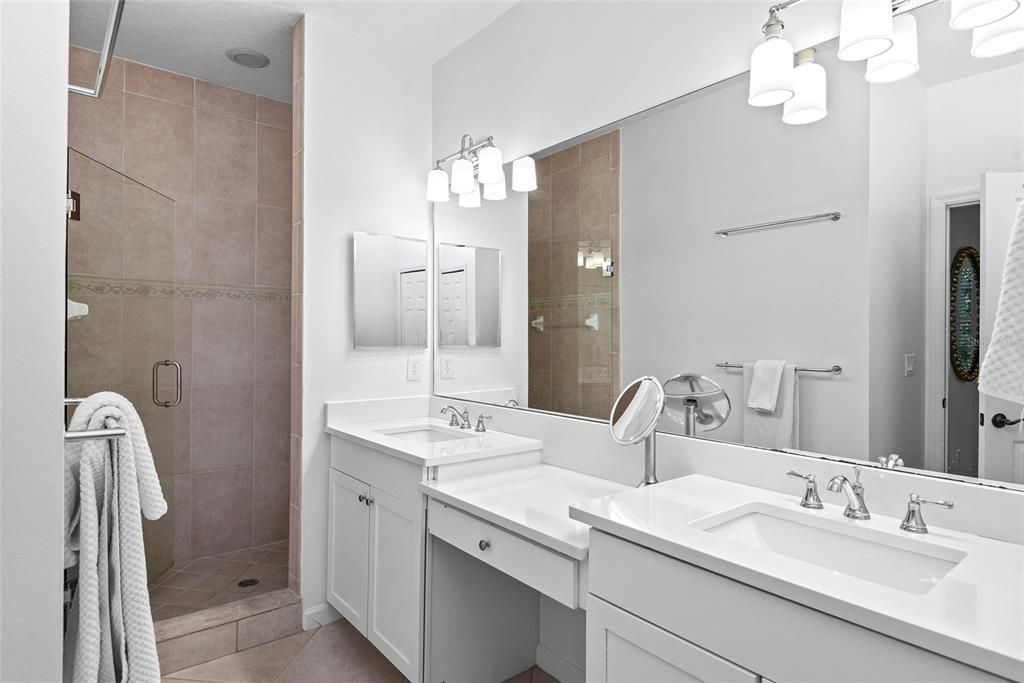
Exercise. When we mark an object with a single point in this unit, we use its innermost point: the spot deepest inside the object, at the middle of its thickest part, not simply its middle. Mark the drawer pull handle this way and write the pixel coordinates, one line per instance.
(369, 501)
(484, 545)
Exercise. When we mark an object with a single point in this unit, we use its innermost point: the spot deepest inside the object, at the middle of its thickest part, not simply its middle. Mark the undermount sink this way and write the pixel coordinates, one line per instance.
(891, 560)
(425, 434)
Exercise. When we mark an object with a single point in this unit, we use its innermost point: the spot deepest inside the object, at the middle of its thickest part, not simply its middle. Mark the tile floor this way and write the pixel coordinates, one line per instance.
(211, 581)
(336, 652)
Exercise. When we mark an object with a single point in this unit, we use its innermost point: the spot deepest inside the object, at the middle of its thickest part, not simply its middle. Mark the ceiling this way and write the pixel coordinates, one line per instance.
(191, 36)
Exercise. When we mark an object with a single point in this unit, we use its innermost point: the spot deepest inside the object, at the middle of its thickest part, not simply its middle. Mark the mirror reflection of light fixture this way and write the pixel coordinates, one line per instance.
(865, 29)
(471, 200)
(968, 14)
(771, 65)
(495, 191)
(489, 166)
(999, 38)
(810, 91)
(900, 61)
(524, 175)
(462, 177)
(437, 185)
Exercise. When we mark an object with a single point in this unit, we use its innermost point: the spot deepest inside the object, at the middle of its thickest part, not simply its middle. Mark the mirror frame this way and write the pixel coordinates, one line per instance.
(651, 427)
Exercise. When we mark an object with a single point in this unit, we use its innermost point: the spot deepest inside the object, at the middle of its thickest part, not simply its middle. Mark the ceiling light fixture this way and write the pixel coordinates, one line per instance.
(999, 38)
(247, 57)
(865, 29)
(810, 91)
(900, 61)
(771, 65)
(968, 14)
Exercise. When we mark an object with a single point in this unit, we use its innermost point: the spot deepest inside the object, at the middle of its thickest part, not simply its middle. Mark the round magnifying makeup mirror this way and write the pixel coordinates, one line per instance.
(634, 419)
(696, 402)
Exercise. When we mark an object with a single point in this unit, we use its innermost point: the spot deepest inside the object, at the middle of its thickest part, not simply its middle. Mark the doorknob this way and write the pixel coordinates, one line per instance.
(177, 383)
(999, 421)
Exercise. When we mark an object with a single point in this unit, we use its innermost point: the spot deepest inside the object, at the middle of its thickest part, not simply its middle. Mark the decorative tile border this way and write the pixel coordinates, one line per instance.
(162, 289)
(561, 303)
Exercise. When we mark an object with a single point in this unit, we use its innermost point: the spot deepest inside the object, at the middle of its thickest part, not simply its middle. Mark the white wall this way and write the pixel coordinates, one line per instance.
(896, 271)
(367, 149)
(690, 298)
(33, 166)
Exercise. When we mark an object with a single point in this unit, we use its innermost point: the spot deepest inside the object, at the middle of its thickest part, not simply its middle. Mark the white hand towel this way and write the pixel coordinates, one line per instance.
(780, 429)
(763, 392)
(1002, 371)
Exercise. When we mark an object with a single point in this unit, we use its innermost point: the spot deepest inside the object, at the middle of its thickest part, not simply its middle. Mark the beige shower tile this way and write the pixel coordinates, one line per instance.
(271, 403)
(295, 467)
(297, 187)
(615, 148)
(565, 275)
(96, 241)
(96, 126)
(183, 580)
(296, 376)
(221, 511)
(270, 516)
(273, 342)
(149, 334)
(273, 247)
(338, 652)
(565, 204)
(272, 625)
(250, 555)
(598, 148)
(539, 270)
(183, 238)
(95, 346)
(294, 541)
(296, 330)
(298, 112)
(233, 568)
(274, 113)
(256, 665)
(163, 85)
(182, 518)
(82, 66)
(297, 258)
(298, 49)
(225, 157)
(222, 342)
(159, 424)
(224, 242)
(598, 199)
(227, 101)
(222, 428)
(543, 167)
(177, 653)
(158, 144)
(565, 160)
(565, 393)
(274, 167)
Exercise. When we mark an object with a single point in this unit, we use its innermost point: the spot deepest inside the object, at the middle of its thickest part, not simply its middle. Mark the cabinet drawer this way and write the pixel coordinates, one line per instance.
(551, 573)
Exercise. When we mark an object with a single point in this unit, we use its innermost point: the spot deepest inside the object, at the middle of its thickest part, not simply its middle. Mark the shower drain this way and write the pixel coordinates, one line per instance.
(245, 583)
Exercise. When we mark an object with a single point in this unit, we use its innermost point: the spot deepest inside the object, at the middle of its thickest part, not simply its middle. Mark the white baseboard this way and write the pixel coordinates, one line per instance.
(558, 666)
(318, 615)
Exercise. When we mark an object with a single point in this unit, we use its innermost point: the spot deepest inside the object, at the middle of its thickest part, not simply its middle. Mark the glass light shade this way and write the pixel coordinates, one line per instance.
(524, 175)
(967, 14)
(489, 167)
(771, 73)
(462, 176)
(470, 200)
(495, 191)
(901, 61)
(865, 29)
(437, 186)
(999, 38)
(809, 100)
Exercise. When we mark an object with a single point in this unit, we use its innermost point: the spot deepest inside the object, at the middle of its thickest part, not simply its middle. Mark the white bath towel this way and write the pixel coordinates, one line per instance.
(1002, 371)
(781, 428)
(110, 634)
(763, 389)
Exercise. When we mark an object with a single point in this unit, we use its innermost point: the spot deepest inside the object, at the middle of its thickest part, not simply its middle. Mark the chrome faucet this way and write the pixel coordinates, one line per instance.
(890, 462)
(460, 420)
(914, 522)
(480, 426)
(855, 507)
(810, 499)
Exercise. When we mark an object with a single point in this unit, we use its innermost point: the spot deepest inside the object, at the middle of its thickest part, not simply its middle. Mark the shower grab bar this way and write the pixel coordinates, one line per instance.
(109, 40)
(834, 370)
(831, 215)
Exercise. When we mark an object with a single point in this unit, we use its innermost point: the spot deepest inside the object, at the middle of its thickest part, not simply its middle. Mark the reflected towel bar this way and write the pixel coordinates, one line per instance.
(831, 215)
(834, 370)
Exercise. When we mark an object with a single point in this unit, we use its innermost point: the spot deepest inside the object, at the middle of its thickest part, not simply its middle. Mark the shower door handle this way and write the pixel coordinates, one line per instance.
(177, 383)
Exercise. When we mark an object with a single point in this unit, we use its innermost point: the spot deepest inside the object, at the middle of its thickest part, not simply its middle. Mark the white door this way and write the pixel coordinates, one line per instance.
(623, 648)
(1000, 451)
(412, 293)
(348, 547)
(454, 322)
(396, 537)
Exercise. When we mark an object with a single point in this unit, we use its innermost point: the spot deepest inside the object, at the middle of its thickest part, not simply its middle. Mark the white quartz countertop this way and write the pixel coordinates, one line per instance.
(465, 444)
(974, 614)
(531, 501)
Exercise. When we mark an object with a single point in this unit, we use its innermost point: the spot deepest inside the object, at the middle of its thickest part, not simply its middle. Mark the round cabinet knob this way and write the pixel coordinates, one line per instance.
(484, 545)
(362, 498)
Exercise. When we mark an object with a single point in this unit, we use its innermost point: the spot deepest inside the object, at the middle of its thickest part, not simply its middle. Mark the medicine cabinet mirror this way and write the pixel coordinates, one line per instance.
(468, 296)
(389, 291)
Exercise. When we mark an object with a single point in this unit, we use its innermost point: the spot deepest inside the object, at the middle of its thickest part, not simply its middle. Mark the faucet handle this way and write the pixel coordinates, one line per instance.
(810, 499)
(480, 426)
(914, 521)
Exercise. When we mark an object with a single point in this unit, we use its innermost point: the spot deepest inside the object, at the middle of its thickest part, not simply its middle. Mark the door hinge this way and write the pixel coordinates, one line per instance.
(73, 206)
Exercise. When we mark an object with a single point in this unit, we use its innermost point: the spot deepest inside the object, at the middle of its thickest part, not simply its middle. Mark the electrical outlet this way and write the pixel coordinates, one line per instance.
(447, 369)
(908, 364)
(414, 369)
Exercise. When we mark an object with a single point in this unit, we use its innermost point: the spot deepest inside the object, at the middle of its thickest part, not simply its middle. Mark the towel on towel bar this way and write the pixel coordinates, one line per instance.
(1002, 372)
(763, 389)
(778, 429)
(107, 483)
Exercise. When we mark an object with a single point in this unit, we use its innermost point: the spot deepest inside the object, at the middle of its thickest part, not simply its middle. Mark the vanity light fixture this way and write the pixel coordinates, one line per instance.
(495, 191)
(471, 200)
(524, 175)
(771, 65)
(437, 185)
(463, 181)
(810, 91)
(865, 29)
(476, 164)
(900, 61)
(999, 38)
(968, 14)
(489, 166)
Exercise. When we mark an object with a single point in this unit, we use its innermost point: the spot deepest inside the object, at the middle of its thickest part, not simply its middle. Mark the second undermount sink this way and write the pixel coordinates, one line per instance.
(891, 560)
(425, 434)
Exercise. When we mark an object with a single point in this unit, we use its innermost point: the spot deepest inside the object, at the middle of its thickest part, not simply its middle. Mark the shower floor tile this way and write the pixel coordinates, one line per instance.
(210, 581)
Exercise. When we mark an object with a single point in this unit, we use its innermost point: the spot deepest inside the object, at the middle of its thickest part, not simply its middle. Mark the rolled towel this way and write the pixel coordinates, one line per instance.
(763, 394)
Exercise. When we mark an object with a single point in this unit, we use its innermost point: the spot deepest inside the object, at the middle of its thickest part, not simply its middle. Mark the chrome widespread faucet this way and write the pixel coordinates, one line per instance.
(458, 419)
(891, 461)
(913, 521)
(810, 499)
(855, 507)
(480, 426)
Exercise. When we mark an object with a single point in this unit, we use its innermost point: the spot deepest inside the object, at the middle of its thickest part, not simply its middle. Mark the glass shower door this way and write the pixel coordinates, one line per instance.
(121, 315)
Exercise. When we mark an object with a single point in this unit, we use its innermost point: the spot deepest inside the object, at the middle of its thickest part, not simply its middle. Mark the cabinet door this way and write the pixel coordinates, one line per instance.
(622, 647)
(348, 547)
(396, 537)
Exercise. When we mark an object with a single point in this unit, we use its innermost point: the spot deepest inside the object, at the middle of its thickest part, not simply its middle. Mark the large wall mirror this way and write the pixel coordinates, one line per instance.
(468, 296)
(390, 288)
(830, 335)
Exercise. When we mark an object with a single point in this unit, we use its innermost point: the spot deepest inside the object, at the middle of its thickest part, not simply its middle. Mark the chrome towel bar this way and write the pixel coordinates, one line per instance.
(830, 215)
(90, 434)
(834, 370)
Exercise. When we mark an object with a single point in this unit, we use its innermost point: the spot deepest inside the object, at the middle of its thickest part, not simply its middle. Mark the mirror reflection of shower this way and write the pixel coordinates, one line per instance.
(696, 402)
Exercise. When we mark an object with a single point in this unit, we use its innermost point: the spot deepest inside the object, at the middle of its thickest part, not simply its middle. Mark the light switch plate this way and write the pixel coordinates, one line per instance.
(414, 369)
(908, 364)
(447, 369)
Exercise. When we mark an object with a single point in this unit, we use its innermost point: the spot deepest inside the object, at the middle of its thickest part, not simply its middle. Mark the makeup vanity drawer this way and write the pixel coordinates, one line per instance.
(543, 569)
